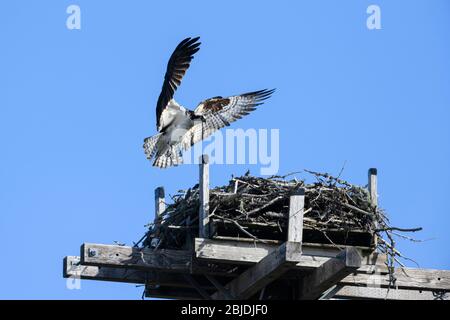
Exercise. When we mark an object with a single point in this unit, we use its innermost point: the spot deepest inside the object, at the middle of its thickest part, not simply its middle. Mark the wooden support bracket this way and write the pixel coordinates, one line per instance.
(329, 274)
(219, 287)
(197, 287)
(264, 272)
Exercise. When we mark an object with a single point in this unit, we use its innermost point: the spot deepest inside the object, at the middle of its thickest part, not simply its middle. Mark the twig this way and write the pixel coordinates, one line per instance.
(268, 204)
(399, 229)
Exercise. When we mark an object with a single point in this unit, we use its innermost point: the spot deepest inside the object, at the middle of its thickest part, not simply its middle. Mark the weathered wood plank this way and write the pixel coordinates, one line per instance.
(243, 252)
(181, 260)
(329, 274)
(264, 272)
(204, 226)
(357, 292)
(131, 257)
(144, 259)
(295, 222)
(406, 278)
(425, 280)
(73, 269)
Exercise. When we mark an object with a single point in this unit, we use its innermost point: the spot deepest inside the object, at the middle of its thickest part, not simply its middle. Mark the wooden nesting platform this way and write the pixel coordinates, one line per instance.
(232, 269)
(299, 267)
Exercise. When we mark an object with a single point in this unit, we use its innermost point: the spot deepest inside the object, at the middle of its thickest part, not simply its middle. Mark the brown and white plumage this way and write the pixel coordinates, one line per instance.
(180, 128)
(220, 112)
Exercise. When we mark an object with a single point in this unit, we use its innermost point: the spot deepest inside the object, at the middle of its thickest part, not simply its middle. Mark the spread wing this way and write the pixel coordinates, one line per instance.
(219, 112)
(179, 62)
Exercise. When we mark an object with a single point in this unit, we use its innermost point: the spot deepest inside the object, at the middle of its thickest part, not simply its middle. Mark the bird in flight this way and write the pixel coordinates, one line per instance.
(180, 128)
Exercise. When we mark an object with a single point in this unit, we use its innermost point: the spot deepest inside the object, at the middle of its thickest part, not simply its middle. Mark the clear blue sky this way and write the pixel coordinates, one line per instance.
(75, 106)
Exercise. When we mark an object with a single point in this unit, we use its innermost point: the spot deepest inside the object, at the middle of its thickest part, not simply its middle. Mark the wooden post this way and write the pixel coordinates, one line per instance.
(204, 228)
(295, 223)
(160, 206)
(373, 186)
(160, 202)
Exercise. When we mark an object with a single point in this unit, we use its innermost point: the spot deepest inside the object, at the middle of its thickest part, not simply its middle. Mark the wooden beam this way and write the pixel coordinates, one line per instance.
(160, 201)
(249, 253)
(72, 268)
(406, 278)
(295, 222)
(138, 258)
(146, 259)
(358, 292)
(264, 272)
(329, 274)
(204, 226)
(427, 283)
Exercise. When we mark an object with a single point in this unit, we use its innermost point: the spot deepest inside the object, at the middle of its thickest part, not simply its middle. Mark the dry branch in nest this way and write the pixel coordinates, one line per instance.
(336, 212)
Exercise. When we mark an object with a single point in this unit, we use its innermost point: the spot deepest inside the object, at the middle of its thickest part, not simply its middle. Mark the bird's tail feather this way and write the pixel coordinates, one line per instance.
(172, 157)
(150, 145)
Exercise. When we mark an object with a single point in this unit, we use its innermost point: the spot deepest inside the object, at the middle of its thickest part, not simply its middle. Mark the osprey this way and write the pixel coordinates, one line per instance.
(180, 128)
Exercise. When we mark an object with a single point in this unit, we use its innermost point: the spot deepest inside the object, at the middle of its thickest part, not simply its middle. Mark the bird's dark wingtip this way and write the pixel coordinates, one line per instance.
(263, 94)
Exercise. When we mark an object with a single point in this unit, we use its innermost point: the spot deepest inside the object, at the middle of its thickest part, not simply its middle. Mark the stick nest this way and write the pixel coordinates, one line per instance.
(258, 208)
